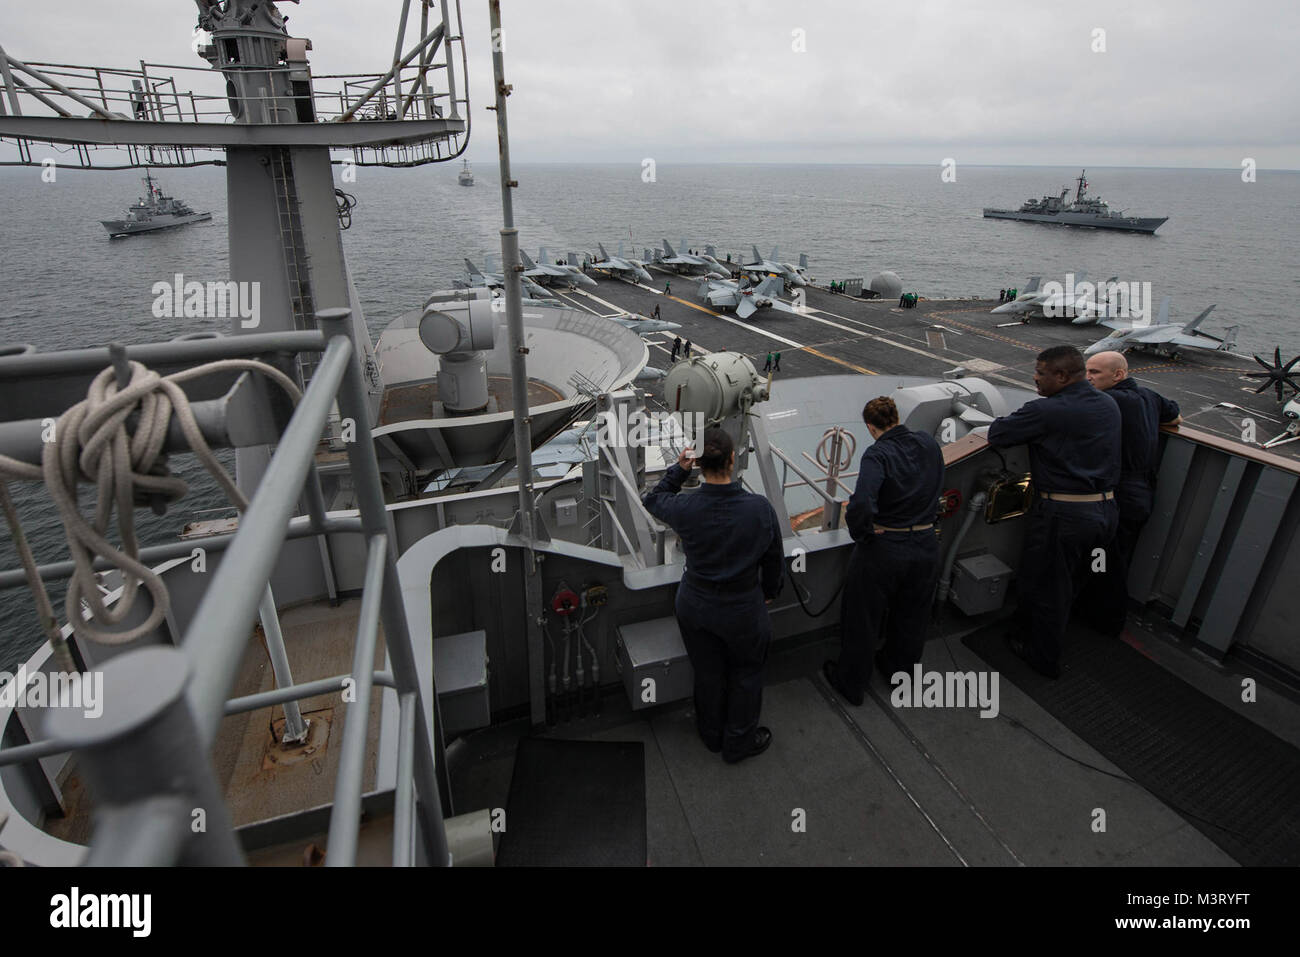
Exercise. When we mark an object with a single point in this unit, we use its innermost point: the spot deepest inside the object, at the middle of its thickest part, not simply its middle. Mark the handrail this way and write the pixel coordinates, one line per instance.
(154, 769)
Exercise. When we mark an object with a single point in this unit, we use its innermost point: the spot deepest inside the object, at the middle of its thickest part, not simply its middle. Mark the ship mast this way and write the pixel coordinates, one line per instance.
(1078, 195)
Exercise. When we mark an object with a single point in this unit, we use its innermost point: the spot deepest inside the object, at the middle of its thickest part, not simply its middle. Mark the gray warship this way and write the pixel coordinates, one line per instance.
(466, 175)
(1084, 210)
(153, 211)
(367, 665)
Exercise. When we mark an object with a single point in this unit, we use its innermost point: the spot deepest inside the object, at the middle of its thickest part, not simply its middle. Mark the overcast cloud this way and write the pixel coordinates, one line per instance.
(1198, 83)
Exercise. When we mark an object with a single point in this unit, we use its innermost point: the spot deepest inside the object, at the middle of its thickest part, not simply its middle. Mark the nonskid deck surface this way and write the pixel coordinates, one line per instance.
(880, 785)
(841, 334)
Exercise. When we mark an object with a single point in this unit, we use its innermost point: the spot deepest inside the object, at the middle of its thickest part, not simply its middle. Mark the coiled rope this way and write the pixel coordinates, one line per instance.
(92, 443)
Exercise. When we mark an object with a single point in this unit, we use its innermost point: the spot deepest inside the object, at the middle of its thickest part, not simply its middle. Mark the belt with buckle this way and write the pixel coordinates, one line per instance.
(738, 586)
(1073, 497)
(881, 529)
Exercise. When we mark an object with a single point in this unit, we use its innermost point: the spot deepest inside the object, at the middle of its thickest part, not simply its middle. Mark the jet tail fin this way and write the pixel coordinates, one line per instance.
(1162, 315)
(711, 252)
(472, 269)
(803, 260)
(1229, 337)
(528, 263)
(1032, 284)
(1199, 319)
(604, 256)
(757, 257)
(773, 256)
(772, 286)
(573, 259)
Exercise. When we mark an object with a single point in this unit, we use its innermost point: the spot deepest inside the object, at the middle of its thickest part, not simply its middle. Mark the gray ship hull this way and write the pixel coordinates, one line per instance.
(1131, 224)
(126, 227)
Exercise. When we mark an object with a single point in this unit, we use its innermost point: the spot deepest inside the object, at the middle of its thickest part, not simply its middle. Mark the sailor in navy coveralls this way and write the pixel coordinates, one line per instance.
(733, 546)
(1073, 435)
(1105, 601)
(894, 567)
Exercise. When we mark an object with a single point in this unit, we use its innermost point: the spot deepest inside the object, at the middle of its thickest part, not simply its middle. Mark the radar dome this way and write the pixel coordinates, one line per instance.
(887, 285)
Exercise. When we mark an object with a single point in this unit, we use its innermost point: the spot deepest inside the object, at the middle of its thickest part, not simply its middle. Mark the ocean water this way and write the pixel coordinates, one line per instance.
(64, 284)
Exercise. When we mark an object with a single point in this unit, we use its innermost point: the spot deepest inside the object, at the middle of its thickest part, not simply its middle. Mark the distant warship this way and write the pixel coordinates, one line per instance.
(154, 210)
(466, 176)
(1084, 211)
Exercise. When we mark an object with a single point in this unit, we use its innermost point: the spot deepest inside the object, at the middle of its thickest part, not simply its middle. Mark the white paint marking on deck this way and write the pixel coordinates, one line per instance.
(744, 325)
(608, 305)
(950, 361)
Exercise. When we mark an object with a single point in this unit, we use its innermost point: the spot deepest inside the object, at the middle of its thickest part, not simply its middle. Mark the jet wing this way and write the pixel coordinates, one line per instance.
(746, 307)
(1159, 334)
(780, 306)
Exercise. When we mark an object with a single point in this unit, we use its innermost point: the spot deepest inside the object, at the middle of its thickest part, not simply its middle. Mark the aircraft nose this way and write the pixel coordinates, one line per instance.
(1003, 310)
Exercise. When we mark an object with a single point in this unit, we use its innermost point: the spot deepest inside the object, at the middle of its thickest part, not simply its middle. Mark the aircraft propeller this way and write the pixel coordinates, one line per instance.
(1277, 375)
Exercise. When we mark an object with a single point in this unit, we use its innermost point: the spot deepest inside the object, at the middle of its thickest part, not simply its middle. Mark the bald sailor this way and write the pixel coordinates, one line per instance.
(1142, 412)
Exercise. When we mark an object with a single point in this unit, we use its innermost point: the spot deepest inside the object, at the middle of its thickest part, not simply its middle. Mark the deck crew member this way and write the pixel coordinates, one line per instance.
(686, 349)
(1073, 436)
(1143, 411)
(732, 541)
(677, 347)
(889, 584)
(767, 366)
(1002, 295)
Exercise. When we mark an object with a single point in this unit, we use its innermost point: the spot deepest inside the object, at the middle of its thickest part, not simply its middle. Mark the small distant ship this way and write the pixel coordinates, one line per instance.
(153, 211)
(1084, 211)
(466, 175)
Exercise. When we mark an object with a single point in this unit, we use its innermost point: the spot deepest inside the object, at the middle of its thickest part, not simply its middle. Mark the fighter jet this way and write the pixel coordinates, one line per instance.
(1070, 301)
(793, 275)
(1162, 337)
(550, 274)
(632, 270)
(692, 264)
(746, 299)
(643, 326)
(495, 280)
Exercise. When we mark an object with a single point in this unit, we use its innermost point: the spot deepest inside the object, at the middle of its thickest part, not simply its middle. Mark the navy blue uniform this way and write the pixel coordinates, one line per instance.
(733, 545)
(1105, 602)
(890, 581)
(1074, 447)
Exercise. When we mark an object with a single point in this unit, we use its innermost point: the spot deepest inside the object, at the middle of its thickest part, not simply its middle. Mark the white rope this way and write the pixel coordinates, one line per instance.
(91, 443)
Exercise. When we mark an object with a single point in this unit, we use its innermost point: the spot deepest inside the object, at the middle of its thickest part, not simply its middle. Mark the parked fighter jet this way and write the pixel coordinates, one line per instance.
(630, 269)
(692, 264)
(643, 326)
(550, 274)
(1074, 300)
(1162, 337)
(746, 299)
(495, 280)
(793, 275)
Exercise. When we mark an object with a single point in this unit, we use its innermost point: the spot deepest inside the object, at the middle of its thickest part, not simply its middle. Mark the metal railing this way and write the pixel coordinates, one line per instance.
(421, 85)
(146, 755)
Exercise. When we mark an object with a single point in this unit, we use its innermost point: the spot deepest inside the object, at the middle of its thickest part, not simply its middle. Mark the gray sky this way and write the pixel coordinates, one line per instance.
(1186, 83)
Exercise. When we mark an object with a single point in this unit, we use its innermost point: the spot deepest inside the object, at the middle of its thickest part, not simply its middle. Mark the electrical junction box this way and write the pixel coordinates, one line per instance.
(979, 583)
(653, 663)
(460, 675)
(566, 512)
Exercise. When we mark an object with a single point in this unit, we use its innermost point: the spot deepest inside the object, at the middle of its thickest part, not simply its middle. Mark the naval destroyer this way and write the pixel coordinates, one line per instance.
(153, 211)
(365, 664)
(1084, 210)
(466, 175)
